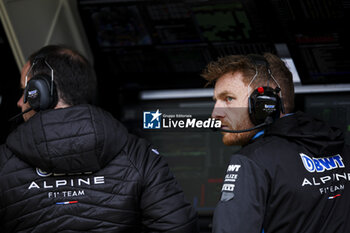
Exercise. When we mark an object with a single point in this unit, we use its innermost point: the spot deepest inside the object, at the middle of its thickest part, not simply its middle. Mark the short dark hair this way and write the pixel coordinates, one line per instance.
(74, 77)
(241, 63)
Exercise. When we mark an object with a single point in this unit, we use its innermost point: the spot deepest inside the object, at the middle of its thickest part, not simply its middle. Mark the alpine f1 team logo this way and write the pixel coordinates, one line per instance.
(151, 120)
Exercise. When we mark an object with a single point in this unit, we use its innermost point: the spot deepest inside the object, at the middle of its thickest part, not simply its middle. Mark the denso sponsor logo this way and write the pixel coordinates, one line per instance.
(322, 164)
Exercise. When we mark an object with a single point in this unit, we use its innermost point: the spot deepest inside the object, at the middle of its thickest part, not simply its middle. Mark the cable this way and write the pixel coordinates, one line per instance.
(20, 114)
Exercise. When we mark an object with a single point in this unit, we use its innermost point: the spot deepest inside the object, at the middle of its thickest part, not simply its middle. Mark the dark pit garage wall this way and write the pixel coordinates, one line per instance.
(9, 87)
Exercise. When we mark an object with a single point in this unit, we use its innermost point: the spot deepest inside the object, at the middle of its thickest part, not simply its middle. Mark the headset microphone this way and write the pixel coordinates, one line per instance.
(20, 114)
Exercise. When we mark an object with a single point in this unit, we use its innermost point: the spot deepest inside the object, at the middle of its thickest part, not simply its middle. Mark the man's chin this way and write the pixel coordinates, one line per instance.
(235, 139)
(28, 115)
(229, 140)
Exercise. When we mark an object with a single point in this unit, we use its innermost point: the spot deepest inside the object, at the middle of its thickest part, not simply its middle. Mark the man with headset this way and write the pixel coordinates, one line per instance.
(72, 167)
(292, 172)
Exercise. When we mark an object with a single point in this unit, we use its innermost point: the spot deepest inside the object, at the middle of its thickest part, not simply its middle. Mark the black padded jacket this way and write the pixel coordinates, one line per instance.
(78, 170)
(293, 179)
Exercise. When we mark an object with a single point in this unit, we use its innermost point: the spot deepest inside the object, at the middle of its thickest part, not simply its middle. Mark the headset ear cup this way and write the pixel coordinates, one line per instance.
(251, 108)
(38, 93)
(264, 105)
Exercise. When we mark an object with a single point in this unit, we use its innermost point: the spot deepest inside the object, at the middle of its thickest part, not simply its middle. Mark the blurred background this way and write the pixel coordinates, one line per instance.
(148, 55)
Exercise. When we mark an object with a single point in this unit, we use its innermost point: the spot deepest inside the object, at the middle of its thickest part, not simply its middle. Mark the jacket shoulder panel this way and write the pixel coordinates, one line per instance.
(5, 155)
(162, 198)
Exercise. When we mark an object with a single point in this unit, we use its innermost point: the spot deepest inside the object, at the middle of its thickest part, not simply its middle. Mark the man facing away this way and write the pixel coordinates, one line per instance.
(292, 172)
(72, 167)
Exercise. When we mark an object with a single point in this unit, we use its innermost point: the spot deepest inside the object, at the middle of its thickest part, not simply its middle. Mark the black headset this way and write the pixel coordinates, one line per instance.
(40, 91)
(265, 103)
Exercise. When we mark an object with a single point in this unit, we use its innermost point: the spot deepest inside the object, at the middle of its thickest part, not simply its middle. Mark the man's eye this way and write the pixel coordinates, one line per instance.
(229, 99)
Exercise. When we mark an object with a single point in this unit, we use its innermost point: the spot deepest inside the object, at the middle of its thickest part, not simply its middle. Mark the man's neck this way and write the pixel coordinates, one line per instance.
(61, 104)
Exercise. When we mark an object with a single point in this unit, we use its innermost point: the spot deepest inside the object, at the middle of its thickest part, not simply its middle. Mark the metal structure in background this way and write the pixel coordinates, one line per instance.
(32, 24)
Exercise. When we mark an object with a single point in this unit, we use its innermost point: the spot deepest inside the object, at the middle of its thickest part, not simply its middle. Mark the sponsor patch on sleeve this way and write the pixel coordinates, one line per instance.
(227, 191)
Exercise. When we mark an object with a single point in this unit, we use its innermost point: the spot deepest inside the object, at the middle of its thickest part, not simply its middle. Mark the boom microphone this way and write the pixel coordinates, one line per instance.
(20, 114)
(267, 122)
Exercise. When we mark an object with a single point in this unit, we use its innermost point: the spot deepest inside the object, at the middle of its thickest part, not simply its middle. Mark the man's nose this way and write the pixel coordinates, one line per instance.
(218, 111)
(20, 102)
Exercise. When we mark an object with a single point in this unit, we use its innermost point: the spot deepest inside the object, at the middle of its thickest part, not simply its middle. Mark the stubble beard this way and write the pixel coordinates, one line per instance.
(239, 139)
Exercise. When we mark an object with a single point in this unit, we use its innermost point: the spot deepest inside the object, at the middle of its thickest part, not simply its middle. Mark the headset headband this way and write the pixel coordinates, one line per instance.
(257, 60)
(31, 67)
